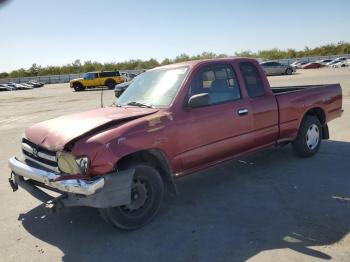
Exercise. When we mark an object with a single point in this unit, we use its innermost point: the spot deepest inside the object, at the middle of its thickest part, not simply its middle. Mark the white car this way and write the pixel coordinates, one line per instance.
(126, 76)
(299, 63)
(20, 87)
(27, 86)
(343, 63)
(324, 61)
(335, 61)
(12, 85)
(5, 87)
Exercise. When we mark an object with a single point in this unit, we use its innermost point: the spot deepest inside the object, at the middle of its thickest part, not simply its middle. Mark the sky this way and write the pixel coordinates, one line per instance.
(58, 32)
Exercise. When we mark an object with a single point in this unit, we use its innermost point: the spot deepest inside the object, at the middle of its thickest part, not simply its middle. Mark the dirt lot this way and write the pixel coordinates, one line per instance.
(270, 206)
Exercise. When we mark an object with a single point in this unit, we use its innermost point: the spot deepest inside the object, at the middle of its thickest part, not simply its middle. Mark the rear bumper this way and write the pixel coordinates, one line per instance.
(76, 186)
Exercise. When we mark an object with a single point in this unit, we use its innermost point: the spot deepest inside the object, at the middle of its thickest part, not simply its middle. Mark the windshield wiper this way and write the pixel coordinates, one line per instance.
(134, 103)
(115, 104)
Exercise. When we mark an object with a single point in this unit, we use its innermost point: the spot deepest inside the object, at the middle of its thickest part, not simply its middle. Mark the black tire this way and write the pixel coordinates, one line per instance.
(78, 87)
(149, 187)
(289, 71)
(303, 145)
(110, 83)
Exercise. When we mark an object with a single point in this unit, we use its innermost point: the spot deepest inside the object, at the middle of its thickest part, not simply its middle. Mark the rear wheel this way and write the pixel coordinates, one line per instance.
(78, 87)
(146, 196)
(110, 84)
(289, 71)
(309, 137)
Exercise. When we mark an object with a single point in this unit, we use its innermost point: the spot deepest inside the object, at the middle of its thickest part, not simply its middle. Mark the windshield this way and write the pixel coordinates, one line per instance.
(156, 88)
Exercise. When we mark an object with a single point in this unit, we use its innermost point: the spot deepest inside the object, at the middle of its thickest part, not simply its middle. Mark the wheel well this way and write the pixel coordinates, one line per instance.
(77, 83)
(319, 113)
(156, 159)
(109, 80)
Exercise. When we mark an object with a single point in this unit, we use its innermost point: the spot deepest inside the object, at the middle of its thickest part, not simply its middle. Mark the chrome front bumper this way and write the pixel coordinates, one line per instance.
(76, 186)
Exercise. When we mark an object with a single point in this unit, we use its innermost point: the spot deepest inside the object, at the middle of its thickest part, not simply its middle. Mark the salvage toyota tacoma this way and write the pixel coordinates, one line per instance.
(171, 121)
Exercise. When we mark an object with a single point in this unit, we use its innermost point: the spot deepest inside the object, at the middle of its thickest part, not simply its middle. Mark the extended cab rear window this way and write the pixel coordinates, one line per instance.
(252, 79)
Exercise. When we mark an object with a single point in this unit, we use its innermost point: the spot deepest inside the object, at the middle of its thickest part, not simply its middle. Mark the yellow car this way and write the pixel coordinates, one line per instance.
(94, 79)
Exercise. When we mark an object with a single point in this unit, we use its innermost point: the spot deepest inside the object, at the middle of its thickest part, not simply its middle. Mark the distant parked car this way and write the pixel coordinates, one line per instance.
(23, 86)
(13, 85)
(297, 63)
(332, 63)
(341, 59)
(324, 61)
(5, 87)
(301, 64)
(335, 61)
(343, 63)
(36, 83)
(128, 76)
(276, 68)
(27, 86)
(18, 86)
(97, 79)
(119, 89)
(312, 65)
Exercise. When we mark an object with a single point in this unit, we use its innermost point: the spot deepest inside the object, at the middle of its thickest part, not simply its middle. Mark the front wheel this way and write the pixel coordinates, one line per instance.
(309, 137)
(146, 196)
(78, 87)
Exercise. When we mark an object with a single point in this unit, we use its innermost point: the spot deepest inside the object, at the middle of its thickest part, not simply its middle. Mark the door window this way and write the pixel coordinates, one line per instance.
(90, 76)
(220, 82)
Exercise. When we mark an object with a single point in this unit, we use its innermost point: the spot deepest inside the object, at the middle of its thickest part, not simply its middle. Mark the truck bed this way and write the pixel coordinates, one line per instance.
(295, 101)
(285, 89)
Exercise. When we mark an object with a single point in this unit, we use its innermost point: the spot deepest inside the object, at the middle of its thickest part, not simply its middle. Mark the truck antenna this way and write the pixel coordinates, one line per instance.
(102, 97)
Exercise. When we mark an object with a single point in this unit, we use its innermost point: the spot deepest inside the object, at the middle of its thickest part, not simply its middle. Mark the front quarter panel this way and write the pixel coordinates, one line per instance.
(106, 148)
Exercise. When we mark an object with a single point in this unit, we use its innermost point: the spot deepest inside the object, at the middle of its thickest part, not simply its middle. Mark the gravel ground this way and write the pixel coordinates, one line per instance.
(270, 206)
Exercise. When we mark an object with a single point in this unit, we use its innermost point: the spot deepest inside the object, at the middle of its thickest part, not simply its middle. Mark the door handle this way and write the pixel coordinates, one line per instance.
(243, 111)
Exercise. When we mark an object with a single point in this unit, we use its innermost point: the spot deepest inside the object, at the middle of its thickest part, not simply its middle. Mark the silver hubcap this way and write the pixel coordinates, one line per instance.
(312, 136)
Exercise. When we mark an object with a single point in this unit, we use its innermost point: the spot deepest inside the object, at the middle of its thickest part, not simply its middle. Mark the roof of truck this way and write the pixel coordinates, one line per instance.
(193, 63)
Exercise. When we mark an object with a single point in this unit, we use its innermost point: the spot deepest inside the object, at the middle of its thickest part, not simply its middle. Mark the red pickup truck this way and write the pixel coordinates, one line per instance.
(171, 121)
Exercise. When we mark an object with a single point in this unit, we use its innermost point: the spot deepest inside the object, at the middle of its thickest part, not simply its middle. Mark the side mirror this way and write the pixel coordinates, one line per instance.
(199, 100)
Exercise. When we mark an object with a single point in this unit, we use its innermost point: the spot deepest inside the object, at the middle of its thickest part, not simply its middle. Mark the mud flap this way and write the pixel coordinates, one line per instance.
(325, 132)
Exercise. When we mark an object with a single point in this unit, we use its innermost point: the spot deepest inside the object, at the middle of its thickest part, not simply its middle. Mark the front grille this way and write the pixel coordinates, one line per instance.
(39, 155)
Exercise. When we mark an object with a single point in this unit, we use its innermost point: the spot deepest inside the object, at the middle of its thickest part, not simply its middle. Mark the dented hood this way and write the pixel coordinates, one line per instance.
(54, 134)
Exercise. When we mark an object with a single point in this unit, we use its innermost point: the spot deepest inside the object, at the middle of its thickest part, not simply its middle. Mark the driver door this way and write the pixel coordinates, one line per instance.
(91, 79)
(220, 129)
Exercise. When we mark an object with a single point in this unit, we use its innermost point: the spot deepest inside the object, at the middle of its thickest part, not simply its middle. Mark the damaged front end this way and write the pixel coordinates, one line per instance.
(40, 170)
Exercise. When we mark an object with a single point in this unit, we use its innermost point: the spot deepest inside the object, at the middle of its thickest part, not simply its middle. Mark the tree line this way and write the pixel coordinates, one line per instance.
(79, 67)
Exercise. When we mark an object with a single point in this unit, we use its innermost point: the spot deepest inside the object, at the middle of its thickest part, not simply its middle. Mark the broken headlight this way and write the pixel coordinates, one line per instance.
(72, 165)
(83, 163)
